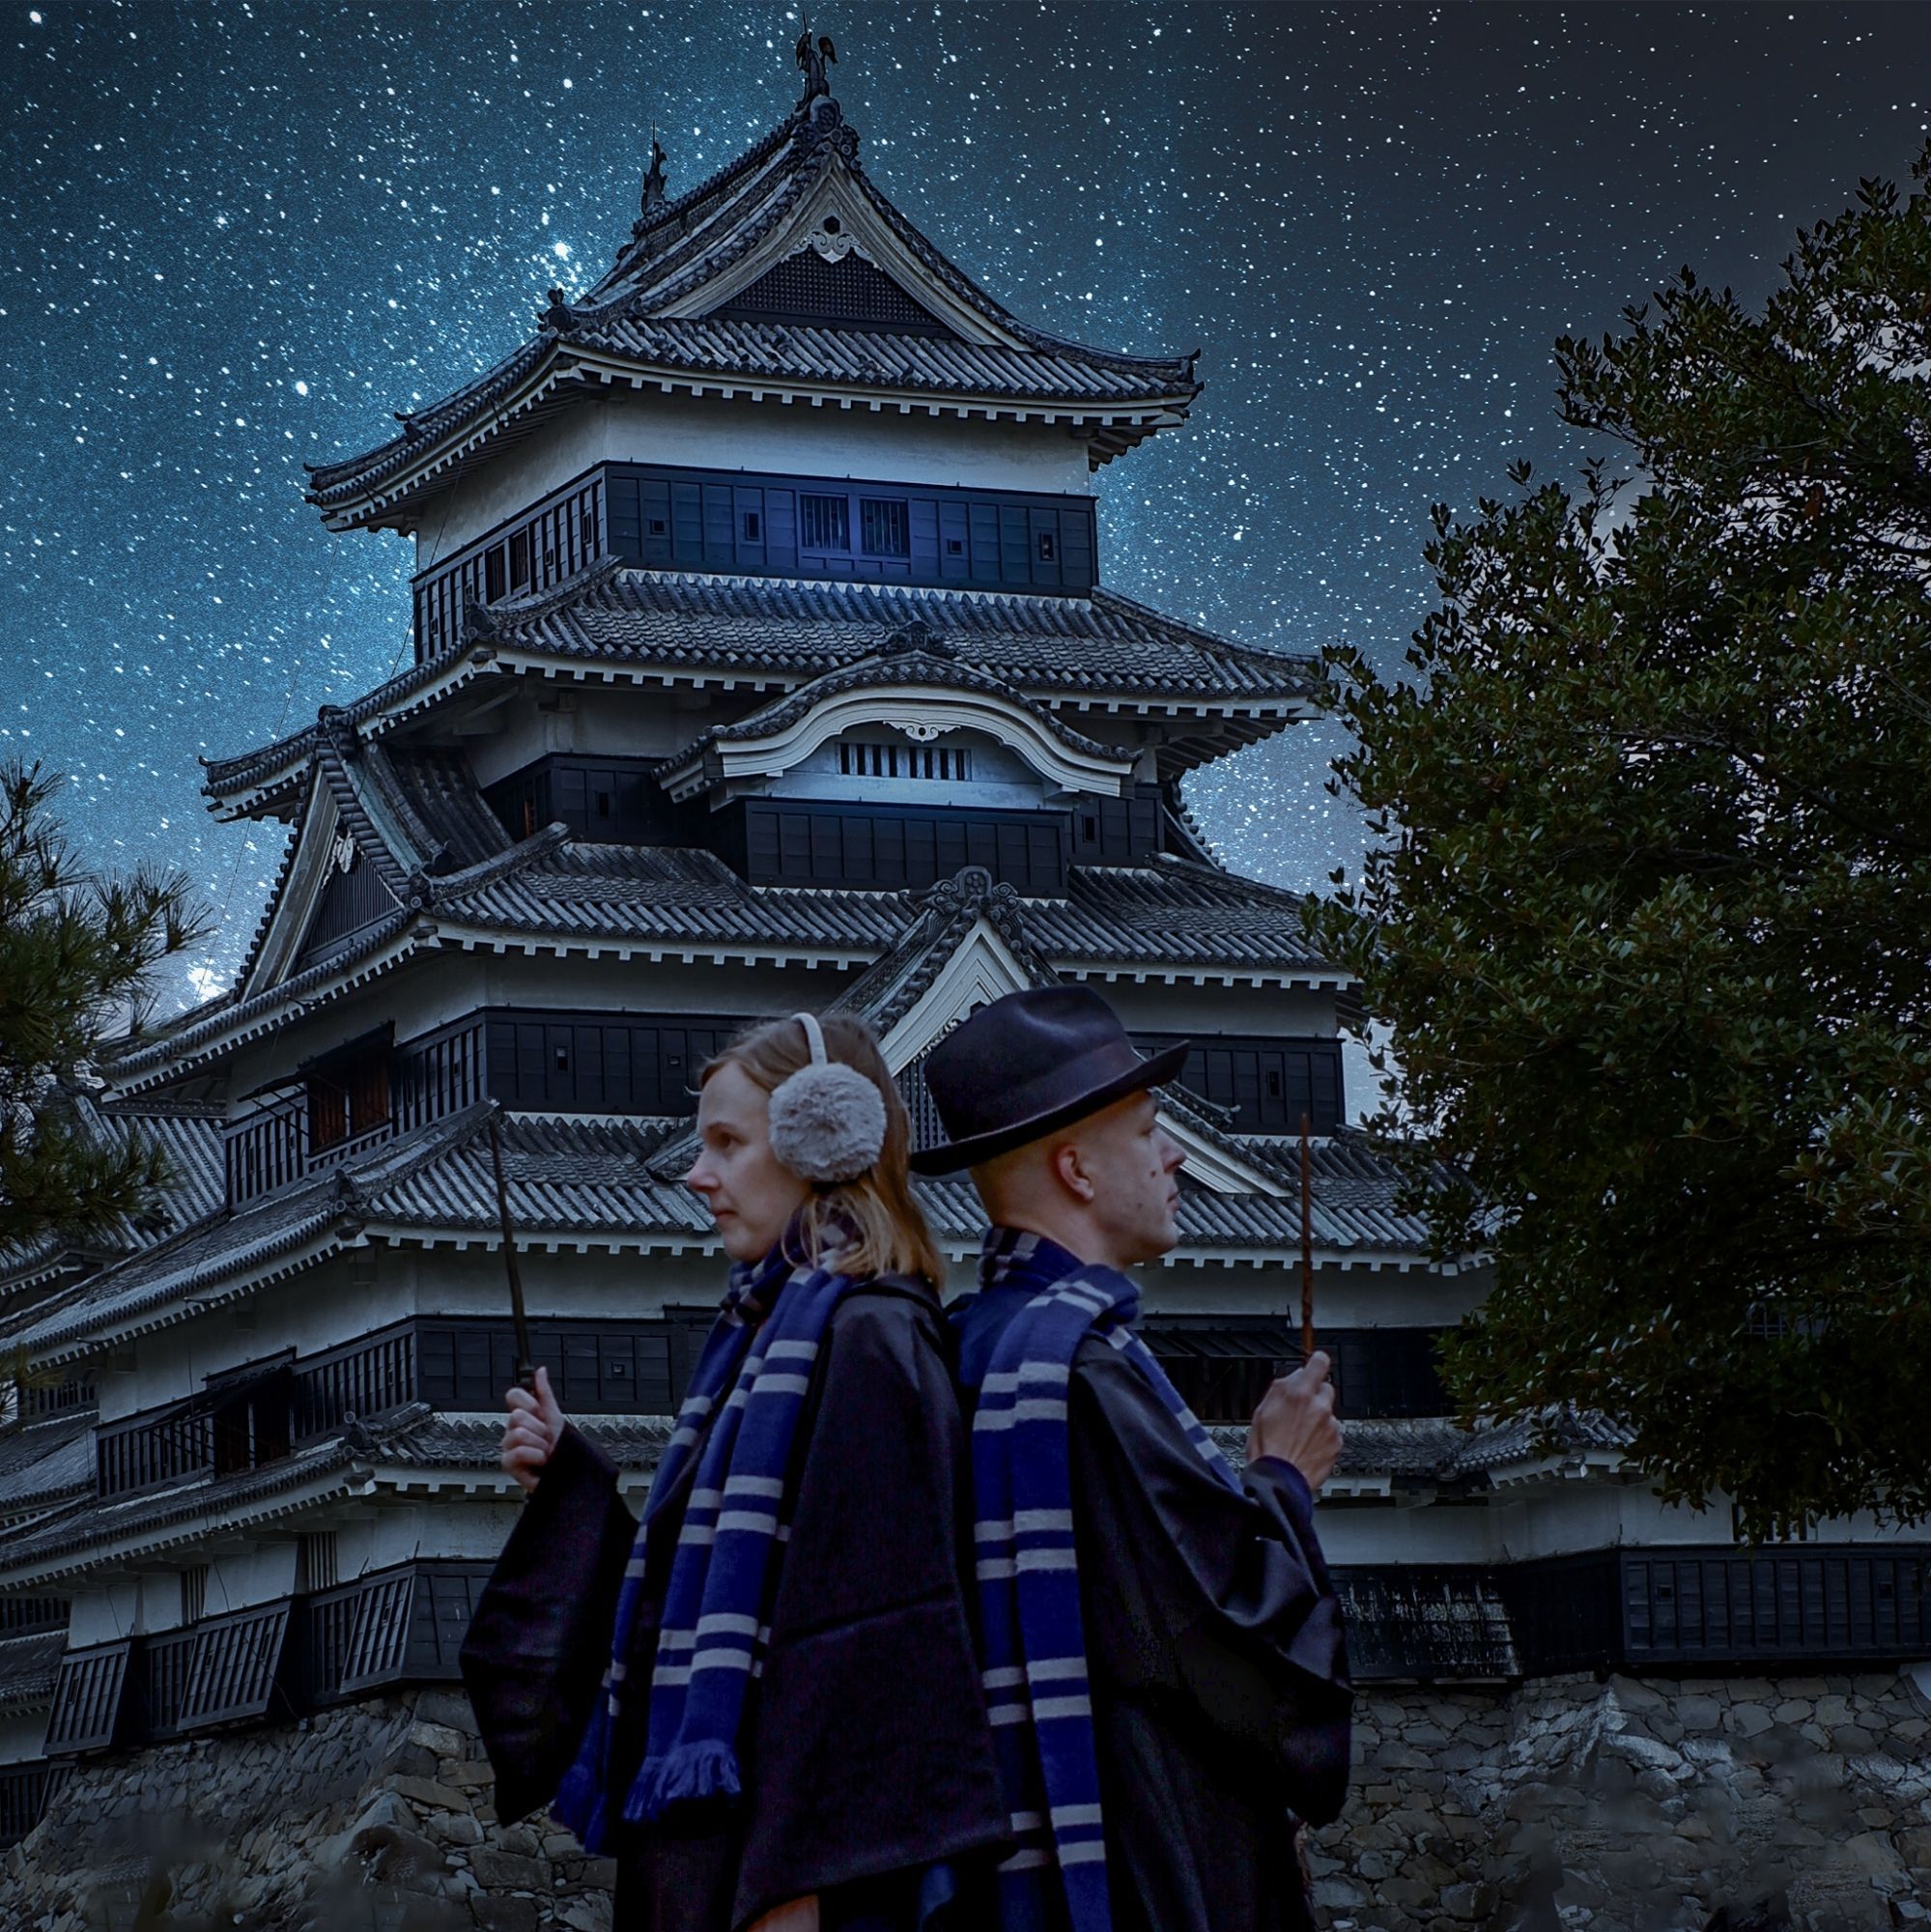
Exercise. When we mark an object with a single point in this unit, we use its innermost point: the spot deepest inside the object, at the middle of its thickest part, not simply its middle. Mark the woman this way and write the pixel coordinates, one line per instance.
(763, 1701)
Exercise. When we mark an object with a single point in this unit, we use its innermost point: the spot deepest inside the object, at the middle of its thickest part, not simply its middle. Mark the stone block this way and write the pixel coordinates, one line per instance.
(429, 1795)
(441, 1739)
(1698, 1713)
(503, 1914)
(507, 1871)
(1332, 1893)
(1749, 1720)
(440, 1705)
(453, 1827)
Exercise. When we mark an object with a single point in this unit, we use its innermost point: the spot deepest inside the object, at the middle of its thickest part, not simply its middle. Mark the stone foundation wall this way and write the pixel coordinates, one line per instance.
(1626, 1807)
(1618, 1807)
(374, 1818)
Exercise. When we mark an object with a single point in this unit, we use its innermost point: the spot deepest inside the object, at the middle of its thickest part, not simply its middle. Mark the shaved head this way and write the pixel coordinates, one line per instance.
(1105, 1187)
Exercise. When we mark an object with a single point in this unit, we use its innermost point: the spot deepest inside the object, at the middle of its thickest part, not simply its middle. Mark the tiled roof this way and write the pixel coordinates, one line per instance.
(44, 1463)
(866, 359)
(190, 1137)
(159, 1519)
(1095, 654)
(689, 244)
(589, 1176)
(28, 1668)
(1055, 649)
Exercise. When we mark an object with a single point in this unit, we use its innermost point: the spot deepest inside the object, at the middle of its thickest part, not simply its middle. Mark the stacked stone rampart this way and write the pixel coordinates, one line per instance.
(1571, 1804)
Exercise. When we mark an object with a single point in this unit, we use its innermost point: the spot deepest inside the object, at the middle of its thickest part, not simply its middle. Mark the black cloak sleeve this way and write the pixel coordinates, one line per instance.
(541, 1635)
(1217, 1619)
(872, 1752)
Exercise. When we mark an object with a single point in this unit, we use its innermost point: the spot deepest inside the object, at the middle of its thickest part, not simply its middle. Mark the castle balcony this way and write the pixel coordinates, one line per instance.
(741, 524)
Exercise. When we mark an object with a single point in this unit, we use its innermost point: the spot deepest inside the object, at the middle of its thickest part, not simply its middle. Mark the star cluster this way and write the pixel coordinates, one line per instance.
(239, 236)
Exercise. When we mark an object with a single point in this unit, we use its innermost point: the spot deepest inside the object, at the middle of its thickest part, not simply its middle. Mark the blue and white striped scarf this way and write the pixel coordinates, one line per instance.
(756, 1362)
(1035, 1641)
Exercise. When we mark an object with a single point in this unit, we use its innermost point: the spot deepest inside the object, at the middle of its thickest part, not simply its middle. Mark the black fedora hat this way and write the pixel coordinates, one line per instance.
(1026, 1064)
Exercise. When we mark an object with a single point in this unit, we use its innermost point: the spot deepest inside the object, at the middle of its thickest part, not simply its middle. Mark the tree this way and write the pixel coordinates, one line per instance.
(78, 956)
(1648, 906)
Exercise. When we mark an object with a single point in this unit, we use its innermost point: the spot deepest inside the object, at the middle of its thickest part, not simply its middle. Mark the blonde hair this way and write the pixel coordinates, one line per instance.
(878, 1208)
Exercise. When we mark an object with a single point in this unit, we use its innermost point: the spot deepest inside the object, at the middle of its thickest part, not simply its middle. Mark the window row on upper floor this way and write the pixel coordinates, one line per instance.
(251, 1416)
(646, 1064)
(660, 517)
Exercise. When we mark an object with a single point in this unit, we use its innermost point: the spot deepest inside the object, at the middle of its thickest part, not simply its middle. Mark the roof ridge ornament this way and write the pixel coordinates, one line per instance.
(653, 181)
(813, 62)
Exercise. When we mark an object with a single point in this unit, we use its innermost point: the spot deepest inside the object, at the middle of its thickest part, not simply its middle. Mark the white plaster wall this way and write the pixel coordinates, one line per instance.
(1261, 1009)
(1343, 1297)
(257, 1572)
(22, 1737)
(103, 1612)
(709, 433)
(340, 1298)
(1370, 1532)
(590, 723)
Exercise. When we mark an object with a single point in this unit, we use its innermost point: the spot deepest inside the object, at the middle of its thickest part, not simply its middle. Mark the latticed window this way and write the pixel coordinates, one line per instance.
(861, 759)
(824, 522)
(887, 527)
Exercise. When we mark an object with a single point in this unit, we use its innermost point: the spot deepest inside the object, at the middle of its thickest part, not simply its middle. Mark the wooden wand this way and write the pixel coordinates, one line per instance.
(526, 1366)
(1307, 1241)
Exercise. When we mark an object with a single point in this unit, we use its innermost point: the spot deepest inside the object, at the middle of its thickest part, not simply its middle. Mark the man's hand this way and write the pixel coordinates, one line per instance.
(531, 1432)
(1296, 1422)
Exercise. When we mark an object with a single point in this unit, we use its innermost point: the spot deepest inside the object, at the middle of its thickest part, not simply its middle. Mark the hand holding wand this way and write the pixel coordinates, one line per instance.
(526, 1365)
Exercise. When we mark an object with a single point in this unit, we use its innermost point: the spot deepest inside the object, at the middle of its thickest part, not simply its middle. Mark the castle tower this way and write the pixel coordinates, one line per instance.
(763, 659)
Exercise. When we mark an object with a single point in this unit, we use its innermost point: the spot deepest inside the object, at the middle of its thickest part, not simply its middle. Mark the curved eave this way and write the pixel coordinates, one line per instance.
(383, 489)
(270, 784)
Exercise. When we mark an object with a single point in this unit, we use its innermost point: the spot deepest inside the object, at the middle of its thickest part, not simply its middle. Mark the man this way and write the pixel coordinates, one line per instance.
(1165, 1662)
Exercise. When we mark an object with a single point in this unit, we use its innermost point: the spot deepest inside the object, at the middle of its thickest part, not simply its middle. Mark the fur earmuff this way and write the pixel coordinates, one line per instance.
(827, 1119)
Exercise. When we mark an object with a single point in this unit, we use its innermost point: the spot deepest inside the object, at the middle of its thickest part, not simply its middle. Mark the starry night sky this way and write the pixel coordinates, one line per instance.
(236, 237)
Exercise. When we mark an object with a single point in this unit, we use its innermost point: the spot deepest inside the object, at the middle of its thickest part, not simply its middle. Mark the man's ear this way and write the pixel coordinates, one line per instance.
(1068, 1166)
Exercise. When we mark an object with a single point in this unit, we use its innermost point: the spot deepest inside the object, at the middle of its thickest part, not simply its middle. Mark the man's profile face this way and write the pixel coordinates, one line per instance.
(1134, 1167)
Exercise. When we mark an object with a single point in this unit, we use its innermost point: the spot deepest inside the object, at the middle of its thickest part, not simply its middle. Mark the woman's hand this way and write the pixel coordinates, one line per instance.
(532, 1430)
(799, 1915)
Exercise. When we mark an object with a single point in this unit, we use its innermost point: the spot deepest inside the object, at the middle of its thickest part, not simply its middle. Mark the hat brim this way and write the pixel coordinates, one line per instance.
(950, 1157)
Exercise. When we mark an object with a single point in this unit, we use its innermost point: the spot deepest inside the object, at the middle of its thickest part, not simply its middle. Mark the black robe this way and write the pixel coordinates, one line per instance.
(865, 1748)
(1217, 1663)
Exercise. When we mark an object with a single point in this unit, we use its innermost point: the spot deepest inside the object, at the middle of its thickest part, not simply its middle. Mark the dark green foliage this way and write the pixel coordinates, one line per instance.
(77, 959)
(1649, 912)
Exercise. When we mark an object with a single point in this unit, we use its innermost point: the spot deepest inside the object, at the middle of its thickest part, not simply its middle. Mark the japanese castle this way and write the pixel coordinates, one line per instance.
(763, 659)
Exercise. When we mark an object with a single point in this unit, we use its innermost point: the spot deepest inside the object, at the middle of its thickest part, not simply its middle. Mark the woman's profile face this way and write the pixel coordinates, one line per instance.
(749, 1192)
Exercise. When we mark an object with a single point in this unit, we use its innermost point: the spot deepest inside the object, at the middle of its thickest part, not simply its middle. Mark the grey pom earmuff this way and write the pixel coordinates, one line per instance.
(827, 1119)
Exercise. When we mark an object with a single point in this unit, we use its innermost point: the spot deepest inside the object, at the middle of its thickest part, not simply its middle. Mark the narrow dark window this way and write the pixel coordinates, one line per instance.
(602, 805)
(193, 1592)
(658, 527)
(754, 526)
(493, 574)
(955, 545)
(1049, 546)
(1090, 828)
(887, 527)
(825, 522)
(1273, 1085)
(587, 533)
(564, 1059)
(520, 560)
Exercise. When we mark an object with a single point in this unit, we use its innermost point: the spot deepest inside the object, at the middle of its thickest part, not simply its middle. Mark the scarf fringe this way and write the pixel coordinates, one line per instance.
(704, 1768)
